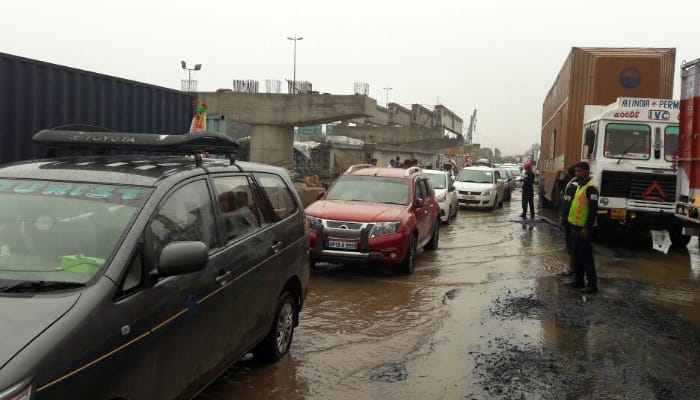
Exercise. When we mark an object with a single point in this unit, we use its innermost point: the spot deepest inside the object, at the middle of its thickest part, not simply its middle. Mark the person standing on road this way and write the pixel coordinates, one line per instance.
(569, 193)
(582, 219)
(528, 191)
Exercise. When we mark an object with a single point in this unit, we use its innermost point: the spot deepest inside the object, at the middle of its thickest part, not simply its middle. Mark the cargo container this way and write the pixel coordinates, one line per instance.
(688, 194)
(612, 108)
(35, 95)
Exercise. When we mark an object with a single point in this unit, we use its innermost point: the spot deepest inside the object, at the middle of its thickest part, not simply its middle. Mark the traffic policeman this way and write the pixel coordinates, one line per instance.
(582, 219)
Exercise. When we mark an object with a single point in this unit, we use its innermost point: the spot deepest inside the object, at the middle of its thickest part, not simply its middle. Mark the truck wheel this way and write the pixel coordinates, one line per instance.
(679, 240)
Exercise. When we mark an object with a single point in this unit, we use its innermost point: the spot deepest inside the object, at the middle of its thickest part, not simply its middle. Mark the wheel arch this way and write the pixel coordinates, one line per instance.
(293, 286)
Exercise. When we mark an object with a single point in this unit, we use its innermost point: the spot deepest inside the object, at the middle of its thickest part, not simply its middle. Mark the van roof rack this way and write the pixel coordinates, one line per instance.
(189, 143)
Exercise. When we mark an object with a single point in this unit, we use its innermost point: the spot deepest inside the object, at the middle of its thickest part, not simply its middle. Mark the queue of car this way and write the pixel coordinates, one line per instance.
(145, 277)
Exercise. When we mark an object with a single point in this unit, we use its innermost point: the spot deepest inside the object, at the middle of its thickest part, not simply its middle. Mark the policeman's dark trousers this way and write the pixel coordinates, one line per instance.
(583, 258)
(528, 198)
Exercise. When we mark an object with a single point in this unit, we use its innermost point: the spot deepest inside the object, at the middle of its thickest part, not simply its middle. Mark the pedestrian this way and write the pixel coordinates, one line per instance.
(569, 193)
(528, 191)
(392, 163)
(582, 219)
(447, 162)
(373, 162)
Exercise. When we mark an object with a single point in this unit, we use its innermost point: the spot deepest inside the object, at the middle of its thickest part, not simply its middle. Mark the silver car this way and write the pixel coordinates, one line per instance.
(443, 184)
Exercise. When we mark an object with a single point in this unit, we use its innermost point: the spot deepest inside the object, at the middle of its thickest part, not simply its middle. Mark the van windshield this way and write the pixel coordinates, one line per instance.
(62, 231)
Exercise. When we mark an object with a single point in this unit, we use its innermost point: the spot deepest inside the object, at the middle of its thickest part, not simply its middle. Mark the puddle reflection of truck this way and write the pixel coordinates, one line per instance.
(609, 107)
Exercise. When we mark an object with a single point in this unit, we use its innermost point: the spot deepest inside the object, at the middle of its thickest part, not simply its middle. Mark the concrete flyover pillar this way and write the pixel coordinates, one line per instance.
(272, 144)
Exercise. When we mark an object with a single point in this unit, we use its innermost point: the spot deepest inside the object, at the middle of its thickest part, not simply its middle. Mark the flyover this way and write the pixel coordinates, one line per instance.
(273, 117)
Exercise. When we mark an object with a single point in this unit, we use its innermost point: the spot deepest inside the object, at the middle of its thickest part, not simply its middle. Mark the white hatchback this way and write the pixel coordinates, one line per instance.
(442, 183)
(479, 187)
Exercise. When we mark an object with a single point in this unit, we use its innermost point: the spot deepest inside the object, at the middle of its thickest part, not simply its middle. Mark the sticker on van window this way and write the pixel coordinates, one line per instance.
(74, 190)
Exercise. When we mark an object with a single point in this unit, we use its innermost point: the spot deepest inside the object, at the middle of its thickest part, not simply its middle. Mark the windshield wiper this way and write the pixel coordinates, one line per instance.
(625, 152)
(40, 286)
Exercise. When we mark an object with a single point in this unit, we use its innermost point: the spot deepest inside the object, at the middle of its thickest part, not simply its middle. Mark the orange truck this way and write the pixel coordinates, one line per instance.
(612, 107)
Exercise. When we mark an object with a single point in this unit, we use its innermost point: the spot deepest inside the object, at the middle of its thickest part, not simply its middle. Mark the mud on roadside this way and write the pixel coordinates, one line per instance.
(610, 345)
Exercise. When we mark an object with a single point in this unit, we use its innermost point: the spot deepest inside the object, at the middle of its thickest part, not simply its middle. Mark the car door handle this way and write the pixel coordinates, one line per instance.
(276, 246)
(223, 275)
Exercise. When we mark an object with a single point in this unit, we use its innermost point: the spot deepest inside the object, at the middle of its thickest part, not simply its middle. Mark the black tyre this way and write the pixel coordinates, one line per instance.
(679, 240)
(435, 239)
(279, 339)
(409, 262)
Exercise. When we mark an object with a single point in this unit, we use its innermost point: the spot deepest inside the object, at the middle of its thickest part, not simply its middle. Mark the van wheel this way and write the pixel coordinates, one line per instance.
(409, 262)
(278, 340)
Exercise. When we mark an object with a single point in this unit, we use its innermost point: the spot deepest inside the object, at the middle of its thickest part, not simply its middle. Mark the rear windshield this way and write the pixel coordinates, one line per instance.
(371, 189)
(62, 231)
(438, 181)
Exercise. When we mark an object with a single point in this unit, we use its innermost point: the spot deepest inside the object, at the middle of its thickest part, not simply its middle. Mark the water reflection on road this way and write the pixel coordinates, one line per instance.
(481, 308)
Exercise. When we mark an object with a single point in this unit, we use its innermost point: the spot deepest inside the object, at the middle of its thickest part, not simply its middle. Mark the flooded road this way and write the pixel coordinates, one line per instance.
(486, 317)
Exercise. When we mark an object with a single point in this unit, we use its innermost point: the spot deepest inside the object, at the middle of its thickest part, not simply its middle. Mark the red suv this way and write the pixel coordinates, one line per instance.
(377, 215)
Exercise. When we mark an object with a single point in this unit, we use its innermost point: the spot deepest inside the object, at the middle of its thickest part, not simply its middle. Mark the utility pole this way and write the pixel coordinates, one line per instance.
(294, 78)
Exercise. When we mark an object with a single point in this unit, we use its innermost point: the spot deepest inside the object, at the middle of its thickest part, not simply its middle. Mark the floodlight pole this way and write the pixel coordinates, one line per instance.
(294, 78)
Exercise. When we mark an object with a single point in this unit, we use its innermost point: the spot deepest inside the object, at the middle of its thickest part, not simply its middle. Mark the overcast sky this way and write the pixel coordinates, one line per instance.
(500, 57)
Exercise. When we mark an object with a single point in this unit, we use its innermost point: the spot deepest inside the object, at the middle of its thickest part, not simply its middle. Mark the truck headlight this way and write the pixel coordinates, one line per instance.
(604, 201)
(385, 228)
(20, 391)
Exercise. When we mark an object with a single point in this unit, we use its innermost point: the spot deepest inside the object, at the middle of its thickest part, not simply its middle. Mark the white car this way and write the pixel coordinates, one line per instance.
(479, 187)
(442, 182)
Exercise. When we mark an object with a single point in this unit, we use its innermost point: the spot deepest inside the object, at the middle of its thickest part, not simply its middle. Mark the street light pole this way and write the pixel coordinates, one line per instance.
(197, 67)
(387, 95)
(294, 78)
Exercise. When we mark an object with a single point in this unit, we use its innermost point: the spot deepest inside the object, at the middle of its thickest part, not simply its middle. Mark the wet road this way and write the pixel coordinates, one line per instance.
(486, 317)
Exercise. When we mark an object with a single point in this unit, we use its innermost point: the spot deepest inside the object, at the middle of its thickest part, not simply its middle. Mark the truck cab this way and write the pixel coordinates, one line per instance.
(631, 145)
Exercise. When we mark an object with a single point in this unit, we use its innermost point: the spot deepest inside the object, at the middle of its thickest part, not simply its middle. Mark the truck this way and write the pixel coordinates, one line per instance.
(688, 160)
(603, 101)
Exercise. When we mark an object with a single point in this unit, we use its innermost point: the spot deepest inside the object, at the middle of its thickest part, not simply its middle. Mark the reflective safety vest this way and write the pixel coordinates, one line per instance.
(578, 213)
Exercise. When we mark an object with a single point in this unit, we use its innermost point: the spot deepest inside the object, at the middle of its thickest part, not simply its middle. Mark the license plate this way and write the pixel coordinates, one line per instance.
(618, 213)
(340, 244)
(465, 197)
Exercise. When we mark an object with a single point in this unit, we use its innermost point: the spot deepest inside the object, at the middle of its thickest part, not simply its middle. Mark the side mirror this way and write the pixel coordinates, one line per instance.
(179, 258)
(320, 194)
(418, 203)
(500, 180)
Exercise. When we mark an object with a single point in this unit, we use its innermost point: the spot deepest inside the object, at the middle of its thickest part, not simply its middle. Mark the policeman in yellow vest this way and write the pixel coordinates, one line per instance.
(582, 219)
